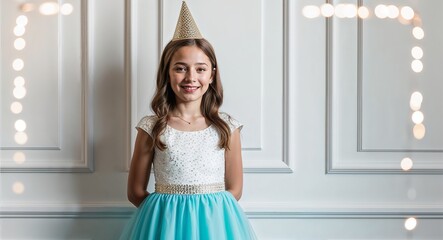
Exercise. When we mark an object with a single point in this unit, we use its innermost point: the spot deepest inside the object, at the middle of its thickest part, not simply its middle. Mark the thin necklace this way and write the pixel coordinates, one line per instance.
(183, 119)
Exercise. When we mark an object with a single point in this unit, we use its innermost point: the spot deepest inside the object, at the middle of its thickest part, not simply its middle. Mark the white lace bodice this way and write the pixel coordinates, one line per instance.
(190, 158)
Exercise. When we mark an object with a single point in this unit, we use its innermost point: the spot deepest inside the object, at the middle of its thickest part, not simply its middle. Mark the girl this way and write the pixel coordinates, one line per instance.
(195, 151)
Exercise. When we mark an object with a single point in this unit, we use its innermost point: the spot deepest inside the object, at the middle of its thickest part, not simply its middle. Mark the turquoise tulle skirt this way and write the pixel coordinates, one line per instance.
(189, 216)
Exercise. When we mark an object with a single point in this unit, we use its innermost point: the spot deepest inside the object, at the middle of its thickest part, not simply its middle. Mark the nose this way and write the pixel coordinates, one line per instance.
(191, 75)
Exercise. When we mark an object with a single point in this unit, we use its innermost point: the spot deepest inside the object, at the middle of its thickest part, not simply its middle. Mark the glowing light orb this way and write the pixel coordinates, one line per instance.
(20, 125)
(19, 44)
(363, 12)
(381, 11)
(416, 100)
(27, 7)
(311, 11)
(407, 13)
(16, 107)
(393, 11)
(21, 138)
(18, 188)
(327, 10)
(67, 9)
(19, 157)
(406, 164)
(21, 20)
(418, 117)
(19, 92)
(19, 30)
(410, 224)
(18, 64)
(418, 33)
(340, 10)
(419, 131)
(19, 81)
(417, 66)
(417, 52)
(350, 10)
(48, 8)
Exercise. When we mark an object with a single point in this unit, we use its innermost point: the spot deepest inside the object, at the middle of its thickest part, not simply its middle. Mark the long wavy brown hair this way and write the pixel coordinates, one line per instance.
(164, 100)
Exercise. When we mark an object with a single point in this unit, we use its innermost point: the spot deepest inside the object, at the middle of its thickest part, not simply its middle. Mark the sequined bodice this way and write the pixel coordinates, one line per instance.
(191, 158)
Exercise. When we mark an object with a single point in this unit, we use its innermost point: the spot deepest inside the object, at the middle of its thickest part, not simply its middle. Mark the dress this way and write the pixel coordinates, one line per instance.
(190, 201)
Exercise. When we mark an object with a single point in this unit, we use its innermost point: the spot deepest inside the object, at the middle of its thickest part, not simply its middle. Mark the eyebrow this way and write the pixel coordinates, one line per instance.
(182, 63)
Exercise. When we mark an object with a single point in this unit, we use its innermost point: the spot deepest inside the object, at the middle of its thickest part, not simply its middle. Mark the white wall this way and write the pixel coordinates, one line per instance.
(326, 112)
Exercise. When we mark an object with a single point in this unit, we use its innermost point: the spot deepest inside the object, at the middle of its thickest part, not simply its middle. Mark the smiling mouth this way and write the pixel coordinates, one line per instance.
(190, 88)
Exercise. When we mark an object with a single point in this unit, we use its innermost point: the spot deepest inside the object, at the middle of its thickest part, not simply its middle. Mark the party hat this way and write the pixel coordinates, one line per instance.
(186, 27)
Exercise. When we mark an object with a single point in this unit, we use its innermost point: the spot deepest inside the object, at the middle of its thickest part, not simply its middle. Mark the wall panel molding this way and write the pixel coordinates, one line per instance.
(74, 153)
(256, 159)
(286, 210)
(345, 153)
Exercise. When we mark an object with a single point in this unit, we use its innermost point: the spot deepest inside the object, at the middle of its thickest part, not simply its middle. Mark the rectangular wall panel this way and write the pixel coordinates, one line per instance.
(369, 117)
(250, 61)
(44, 99)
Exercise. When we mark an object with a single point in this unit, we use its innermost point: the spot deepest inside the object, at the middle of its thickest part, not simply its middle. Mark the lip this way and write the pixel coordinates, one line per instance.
(189, 89)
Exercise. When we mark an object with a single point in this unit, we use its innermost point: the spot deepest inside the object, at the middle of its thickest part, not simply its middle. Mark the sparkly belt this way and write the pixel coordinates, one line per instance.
(189, 189)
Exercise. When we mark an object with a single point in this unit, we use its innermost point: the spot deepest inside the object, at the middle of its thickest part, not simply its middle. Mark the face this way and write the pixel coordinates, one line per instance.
(190, 74)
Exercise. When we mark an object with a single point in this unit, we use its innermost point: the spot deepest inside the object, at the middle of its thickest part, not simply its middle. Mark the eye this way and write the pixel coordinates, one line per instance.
(180, 69)
(201, 69)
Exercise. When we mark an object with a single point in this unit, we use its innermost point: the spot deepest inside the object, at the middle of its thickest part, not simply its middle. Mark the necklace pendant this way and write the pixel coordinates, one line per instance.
(189, 123)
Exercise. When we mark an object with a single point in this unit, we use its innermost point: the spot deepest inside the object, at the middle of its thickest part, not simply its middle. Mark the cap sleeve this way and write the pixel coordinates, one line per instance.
(232, 123)
(147, 123)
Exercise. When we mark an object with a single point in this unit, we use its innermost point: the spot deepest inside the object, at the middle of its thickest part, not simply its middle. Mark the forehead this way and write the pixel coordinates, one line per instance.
(190, 54)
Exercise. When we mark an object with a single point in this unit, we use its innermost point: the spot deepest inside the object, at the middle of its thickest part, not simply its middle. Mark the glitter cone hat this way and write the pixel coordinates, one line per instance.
(186, 27)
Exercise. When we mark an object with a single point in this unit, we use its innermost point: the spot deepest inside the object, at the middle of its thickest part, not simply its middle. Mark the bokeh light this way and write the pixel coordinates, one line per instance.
(417, 66)
(340, 10)
(327, 10)
(407, 13)
(66, 9)
(21, 20)
(419, 131)
(19, 44)
(410, 224)
(27, 7)
(19, 92)
(19, 30)
(350, 10)
(393, 11)
(418, 33)
(363, 12)
(18, 64)
(16, 107)
(416, 100)
(381, 11)
(20, 125)
(18, 188)
(311, 11)
(19, 81)
(21, 138)
(406, 164)
(417, 117)
(19, 157)
(417, 52)
(48, 8)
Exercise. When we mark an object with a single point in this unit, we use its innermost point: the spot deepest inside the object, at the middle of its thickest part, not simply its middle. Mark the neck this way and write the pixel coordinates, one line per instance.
(187, 110)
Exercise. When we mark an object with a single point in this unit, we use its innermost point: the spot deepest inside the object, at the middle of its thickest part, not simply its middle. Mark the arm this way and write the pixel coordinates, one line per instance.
(140, 169)
(234, 166)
